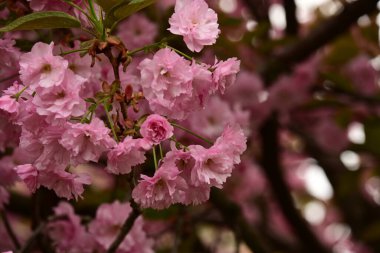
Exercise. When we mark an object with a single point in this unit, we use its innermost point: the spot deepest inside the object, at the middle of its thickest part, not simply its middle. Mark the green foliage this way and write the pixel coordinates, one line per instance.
(124, 9)
(108, 4)
(42, 20)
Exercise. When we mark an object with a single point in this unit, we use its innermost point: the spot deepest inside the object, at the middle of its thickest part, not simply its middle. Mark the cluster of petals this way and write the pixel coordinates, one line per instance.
(87, 142)
(68, 234)
(9, 65)
(186, 176)
(106, 227)
(55, 85)
(175, 87)
(126, 154)
(196, 22)
(156, 129)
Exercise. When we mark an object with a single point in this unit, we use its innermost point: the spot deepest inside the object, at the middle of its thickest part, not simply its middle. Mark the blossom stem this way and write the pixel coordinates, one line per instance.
(157, 44)
(18, 94)
(73, 51)
(127, 226)
(192, 133)
(111, 123)
(155, 158)
(180, 52)
(9, 229)
(161, 153)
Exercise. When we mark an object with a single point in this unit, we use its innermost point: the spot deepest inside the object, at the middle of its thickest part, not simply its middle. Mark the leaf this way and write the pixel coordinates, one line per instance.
(107, 5)
(125, 9)
(42, 20)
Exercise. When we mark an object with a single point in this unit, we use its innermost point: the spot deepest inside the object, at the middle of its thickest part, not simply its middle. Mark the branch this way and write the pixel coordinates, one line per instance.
(127, 226)
(233, 216)
(270, 162)
(9, 229)
(316, 39)
(358, 216)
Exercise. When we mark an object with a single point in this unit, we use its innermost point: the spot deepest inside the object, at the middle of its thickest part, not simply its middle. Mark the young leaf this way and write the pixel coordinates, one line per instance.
(125, 9)
(42, 20)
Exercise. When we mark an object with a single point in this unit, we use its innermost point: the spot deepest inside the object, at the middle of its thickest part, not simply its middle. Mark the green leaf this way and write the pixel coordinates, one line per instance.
(107, 5)
(125, 9)
(42, 20)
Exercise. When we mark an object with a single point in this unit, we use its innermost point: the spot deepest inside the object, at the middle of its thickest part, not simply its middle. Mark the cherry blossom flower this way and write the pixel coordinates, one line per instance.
(156, 129)
(40, 68)
(166, 81)
(128, 153)
(29, 175)
(106, 226)
(68, 234)
(66, 185)
(196, 22)
(165, 188)
(87, 142)
(224, 74)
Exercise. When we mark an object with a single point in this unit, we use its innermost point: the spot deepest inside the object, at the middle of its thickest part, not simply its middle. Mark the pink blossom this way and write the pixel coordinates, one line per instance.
(68, 235)
(56, 5)
(137, 31)
(9, 105)
(106, 226)
(233, 142)
(212, 166)
(29, 175)
(87, 142)
(9, 133)
(165, 188)
(224, 74)
(166, 81)
(40, 68)
(196, 22)
(65, 184)
(128, 153)
(210, 121)
(363, 75)
(63, 101)
(202, 82)
(7, 174)
(47, 147)
(156, 129)
(9, 64)
(184, 162)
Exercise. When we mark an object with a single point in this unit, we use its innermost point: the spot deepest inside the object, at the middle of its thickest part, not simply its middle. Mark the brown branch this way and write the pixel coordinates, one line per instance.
(270, 162)
(9, 229)
(327, 31)
(234, 218)
(127, 226)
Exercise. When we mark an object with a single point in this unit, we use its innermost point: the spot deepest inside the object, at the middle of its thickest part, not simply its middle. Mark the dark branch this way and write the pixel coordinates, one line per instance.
(233, 216)
(127, 226)
(317, 38)
(271, 166)
(9, 229)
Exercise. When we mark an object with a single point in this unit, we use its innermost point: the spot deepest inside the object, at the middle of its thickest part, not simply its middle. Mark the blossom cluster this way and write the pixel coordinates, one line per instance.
(49, 113)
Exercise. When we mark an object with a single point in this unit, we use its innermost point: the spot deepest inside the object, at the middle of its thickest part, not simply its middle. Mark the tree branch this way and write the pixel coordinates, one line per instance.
(317, 38)
(9, 229)
(127, 226)
(233, 216)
